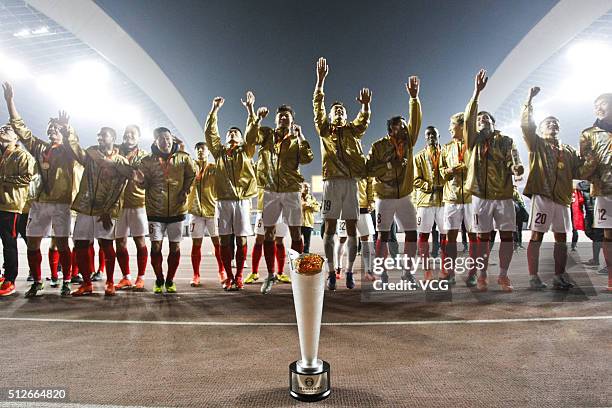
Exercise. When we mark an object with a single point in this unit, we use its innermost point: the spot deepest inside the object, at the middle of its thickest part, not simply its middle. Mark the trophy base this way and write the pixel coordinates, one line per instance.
(309, 386)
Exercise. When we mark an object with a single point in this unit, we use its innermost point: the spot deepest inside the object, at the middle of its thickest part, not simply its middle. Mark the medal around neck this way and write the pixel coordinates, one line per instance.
(309, 377)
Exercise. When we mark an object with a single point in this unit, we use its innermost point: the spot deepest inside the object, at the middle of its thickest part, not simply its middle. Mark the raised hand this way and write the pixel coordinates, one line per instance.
(297, 130)
(8, 91)
(533, 91)
(63, 118)
(322, 69)
(262, 112)
(412, 87)
(250, 100)
(218, 102)
(480, 81)
(365, 96)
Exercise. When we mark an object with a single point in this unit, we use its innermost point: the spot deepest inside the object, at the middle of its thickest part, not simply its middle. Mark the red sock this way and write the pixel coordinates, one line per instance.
(141, 259)
(34, 262)
(297, 246)
(101, 260)
(482, 251)
(218, 257)
(444, 254)
(92, 256)
(281, 255)
(174, 258)
(74, 264)
(607, 252)
(65, 259)
(109, 256)
(506, 249)
(256, 257)
(53, 262)
(196, 258)
(270, 254)
(560, 256)
(156, 263)
(123, 258)
(241, 254)
(83, 260)
(533, 257)
(226, 257)
(473, 253)
(423, 247)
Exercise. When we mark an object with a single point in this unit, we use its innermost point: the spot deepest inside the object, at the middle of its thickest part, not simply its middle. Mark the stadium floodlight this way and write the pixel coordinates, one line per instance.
(587, 78)
(13, 69)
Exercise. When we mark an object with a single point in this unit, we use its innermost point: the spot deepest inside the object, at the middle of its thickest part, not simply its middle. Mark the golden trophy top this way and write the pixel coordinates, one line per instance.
(309, 264)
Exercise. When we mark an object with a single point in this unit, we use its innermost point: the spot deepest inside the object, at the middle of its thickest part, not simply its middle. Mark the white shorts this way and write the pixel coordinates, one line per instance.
(399, 209)
(174, 230)
(455, 214)
(49, 219)
(489, 215)
(340, 200)
(603, 212)
(365, 226)
(546, 214)
(426, 216)
(132, 221)
(199, 225)
(281, 230)
(289, 205)
(234, 217)
(88, 228)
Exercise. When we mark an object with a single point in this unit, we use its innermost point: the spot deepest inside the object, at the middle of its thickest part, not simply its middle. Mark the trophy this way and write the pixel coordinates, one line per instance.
(308, 377)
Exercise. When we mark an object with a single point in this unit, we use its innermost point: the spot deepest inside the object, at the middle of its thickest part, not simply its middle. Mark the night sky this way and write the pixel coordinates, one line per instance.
(210, 48)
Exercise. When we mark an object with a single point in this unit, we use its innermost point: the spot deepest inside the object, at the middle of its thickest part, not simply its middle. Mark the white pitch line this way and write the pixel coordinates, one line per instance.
(383, 323)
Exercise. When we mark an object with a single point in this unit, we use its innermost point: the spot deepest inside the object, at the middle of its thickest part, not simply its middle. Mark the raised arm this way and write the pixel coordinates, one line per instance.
(71, 140)
(361, 122)
(528, 125)
(253, 134)
(416, 116)
(471, 111)
(211, 129)
(29, 141)
(318, 100)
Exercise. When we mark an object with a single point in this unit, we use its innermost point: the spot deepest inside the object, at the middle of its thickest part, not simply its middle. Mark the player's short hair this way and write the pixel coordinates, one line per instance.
(286, 108)
(458, 118)
(109, 130)
(134, 127)
(487, 113)
(158, 131)
(393, 121)
(236, 128)
(604, 96)
(201, 145)
(337, 103)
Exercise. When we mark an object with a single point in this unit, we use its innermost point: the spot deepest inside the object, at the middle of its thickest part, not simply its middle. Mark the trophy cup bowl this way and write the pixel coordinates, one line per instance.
(309, 377)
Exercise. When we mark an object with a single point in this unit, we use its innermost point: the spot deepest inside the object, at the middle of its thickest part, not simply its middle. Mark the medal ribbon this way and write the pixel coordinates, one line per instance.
(165, 166)
(434, 157)
(399, 147)
(46, 155)
(461, 148)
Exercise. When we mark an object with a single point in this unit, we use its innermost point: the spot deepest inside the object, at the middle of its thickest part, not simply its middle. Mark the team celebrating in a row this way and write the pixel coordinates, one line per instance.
(125, 191)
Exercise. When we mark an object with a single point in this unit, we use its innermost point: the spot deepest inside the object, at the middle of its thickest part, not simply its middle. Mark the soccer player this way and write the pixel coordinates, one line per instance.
(235, 184)
(489, 180)
(429, 184)
(343, 164)
(552, 167)
(167, 175)
(282, 151)
(310, 206)
(97, 204)
(49, 214)
(133, 217)
(390, 162)
(597, 140)
(202, 204)
(16, 171)
(456, 197)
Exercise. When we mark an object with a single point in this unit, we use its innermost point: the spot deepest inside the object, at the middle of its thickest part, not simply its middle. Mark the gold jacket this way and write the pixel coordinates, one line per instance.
(235, 172)
(453, 155)
(395, 182)
(428, 180)
(134, 194)
(202, 199)
(101, 185)
(490, 159)
(366, 193)
(278, 161)
(598, 141)
(55, 164)
(310, 206)
(167, 183)
(16, 172)
(341, 151)
(552, 166)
